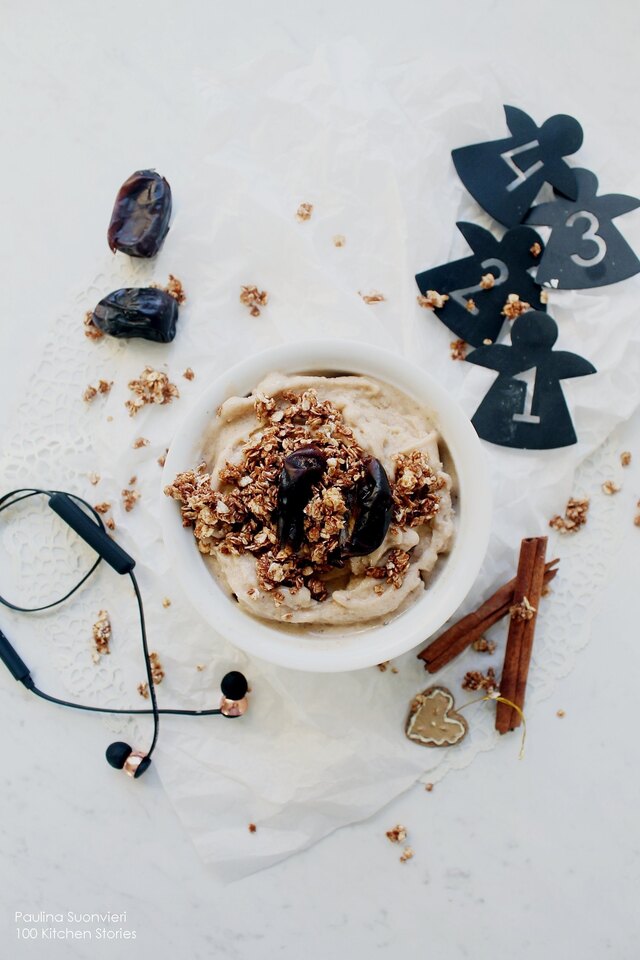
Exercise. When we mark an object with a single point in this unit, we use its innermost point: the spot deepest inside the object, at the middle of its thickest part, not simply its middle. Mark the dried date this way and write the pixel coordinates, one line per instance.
(140, 219)
(373, 511)
(301, 469)
(145, 312)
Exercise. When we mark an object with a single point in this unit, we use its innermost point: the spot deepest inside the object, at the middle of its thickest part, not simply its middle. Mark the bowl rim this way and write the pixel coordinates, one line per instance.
(371, 645)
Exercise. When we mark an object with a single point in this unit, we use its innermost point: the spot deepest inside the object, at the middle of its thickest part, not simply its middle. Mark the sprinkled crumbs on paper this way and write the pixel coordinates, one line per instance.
(609, 487)
(103, 507)
(339, 240)
(487, 281)
(560, 713)
(514, 307)
(189, 374)
(253, 298)
(173, 287)
(90, 329)
(166, 602)
(304, 212)
(625, 458)
(482, 645)
(143, 690)
(575, 516)
(397, 834)
(535, 249)
(94, 478)
(433, 300)
(407, 854)
(200, 667)
(476, 680)
(140, 442)
(157, 675)
(129, 499)
(151, 386)
(374, 297)
(458, 349)
(101, 632)
(428, 787)
(104, 386)
(252, 828)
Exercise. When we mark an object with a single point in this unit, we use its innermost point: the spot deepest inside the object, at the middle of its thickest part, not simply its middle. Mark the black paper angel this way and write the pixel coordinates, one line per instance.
(525, 407)
(585, 249)
(508, 261)
(505, 176)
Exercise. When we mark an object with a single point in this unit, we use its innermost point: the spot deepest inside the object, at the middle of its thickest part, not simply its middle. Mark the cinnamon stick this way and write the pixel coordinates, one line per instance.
(464, 632)
(526, 600)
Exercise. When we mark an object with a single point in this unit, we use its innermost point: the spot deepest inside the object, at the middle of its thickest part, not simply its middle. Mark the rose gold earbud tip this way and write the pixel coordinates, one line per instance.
(132, 763)
(233, 708)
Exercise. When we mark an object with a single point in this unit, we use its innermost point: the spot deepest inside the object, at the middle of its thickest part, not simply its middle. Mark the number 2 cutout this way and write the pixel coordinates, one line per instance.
(591, 233)
(528, 377)
(461, 296)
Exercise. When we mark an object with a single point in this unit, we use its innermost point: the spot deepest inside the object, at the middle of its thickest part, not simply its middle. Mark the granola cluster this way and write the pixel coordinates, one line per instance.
(101, 632)
(253, 298)
(575, 516)
(476, 680)
(514, 307)
(433, 300)
(235, 514)
(151, 386)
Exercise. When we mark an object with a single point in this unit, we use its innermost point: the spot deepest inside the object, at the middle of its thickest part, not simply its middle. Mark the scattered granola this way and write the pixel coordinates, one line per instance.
(101, 632)
(166, 602)
(476, 680)
(175, 289)
(522, 610)
(304, 212)
(482, 645)
(339, 240)
(253, 298)
(150, 387)
(458, 349)
(407, 854)
(94, 478)
(535, 249)
(252, 828)
(625, 458)
(129, 499)
(428, 787)
(433, 300)
(560, 713)
(609, 487)
(103, 507)
(471, 305)
(575, 516)
(104, 386)
(487, 281)
(415, 489)
(514, 307)
(374, 297)
(395, 566)
(90, 329)
(140, 442)
(397, 834)
(189, 374)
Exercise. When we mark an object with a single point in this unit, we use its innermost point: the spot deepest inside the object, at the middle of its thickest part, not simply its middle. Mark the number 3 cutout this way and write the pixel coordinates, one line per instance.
(591, 233)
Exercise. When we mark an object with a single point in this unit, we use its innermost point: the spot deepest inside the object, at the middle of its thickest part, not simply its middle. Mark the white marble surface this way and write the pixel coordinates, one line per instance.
(533, 859)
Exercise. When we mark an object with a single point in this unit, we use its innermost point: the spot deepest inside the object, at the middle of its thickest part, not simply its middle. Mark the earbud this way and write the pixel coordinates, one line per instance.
(121, 756)
(234, 688)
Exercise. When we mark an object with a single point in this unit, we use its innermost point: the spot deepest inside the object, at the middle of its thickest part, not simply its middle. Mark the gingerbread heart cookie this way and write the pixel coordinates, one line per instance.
(432, 721)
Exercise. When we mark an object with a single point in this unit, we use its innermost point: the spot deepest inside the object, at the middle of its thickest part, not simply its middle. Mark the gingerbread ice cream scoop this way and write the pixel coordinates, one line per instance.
(432, 720)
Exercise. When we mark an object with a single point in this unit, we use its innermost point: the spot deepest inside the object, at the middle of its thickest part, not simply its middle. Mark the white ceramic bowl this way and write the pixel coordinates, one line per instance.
(454, 574)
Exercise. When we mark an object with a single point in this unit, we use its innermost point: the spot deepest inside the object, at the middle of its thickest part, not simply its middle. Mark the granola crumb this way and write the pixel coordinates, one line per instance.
(609, 487)
(407, 854)
(575, 516)
(535, 249)
(103, 507)
(428, 787)
(151, 386)
(374, 297)
(101, 632)
(110, 523)
(382, 667)
(522, 611)
(339, 240)
(482, 645)
(253, 298)
(133, 480)
(487, 281)
(109, 419)
(514, 307)
(104, 386)
(90, 329)
(433, 300)
(487, 342)
(304, 212)
(397, 834)
(458, 349)
(393, 570)
(140, 442)
(200, 667)
(166, 602)
(189, 374)
(394, 670)
(94, 478)
(157, 671)
(560, 713)
(252, 828)
(143, 690)
(163, 458)
(129, 499)
(471, 305)
(636, 520)
(544, 296)
(625, 458)
(476, 680)
(173, 287)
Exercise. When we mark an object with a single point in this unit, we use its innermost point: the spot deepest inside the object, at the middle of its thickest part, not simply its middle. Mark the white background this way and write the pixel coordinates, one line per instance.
(529, 860)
